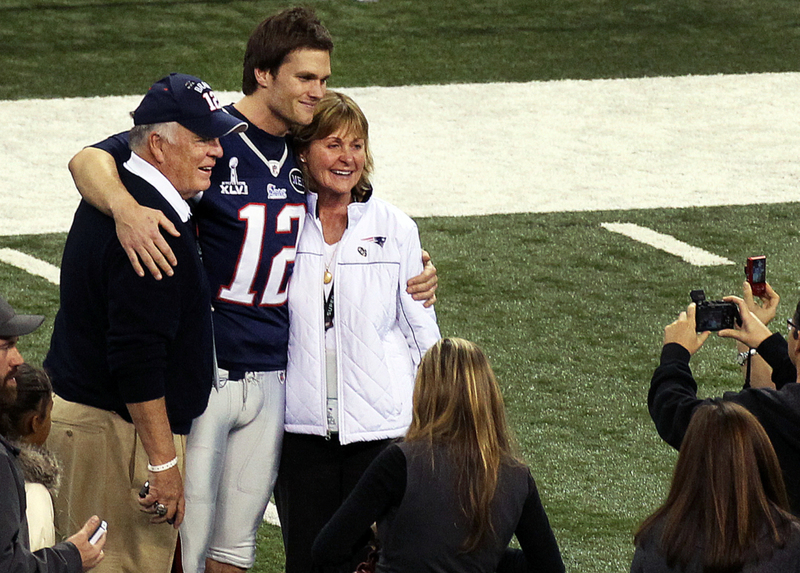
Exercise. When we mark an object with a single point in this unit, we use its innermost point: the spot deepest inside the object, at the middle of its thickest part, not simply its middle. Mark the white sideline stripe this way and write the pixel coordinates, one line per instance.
(692, 255)
(31, 264)
(271, 515)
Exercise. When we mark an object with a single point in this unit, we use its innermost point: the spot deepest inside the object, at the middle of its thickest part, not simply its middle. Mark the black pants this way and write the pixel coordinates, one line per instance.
(316, 475)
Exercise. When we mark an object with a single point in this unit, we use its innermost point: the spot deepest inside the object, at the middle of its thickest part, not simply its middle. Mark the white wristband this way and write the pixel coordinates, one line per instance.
(160, 468)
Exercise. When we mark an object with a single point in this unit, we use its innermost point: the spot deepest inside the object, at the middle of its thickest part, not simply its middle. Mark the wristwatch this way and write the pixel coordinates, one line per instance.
(743, 357)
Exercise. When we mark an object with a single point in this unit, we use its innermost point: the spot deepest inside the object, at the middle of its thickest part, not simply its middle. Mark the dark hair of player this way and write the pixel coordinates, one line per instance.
(278, 36)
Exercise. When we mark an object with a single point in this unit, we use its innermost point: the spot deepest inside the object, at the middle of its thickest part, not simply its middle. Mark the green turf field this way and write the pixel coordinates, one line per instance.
(570, 313)
(54, 48)
(572, 317)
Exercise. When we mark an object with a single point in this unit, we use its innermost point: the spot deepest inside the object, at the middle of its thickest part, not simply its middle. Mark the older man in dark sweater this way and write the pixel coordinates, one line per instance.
(130, 357)
(673, 391)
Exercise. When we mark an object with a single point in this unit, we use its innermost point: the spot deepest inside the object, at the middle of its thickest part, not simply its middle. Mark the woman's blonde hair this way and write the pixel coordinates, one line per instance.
(458, 403)
(336, 111)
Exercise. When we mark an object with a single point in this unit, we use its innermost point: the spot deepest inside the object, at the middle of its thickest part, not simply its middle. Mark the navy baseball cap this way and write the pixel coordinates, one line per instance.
(13, 324)
(191, 102)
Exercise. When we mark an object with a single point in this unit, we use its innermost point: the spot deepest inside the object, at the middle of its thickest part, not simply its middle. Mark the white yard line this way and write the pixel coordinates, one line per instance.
(271, 514)
(31, 264)
(692, 255)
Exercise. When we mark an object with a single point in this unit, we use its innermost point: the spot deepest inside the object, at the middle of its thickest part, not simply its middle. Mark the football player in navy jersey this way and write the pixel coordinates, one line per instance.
(248, 223)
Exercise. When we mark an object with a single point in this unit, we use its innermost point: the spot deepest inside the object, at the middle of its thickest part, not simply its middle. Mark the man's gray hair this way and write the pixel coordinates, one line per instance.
(139, 134)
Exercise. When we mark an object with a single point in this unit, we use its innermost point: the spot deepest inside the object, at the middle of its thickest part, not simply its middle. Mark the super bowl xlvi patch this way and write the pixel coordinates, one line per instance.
(275, 192)
(377, 240)
(296, 179)
(362, 251)
(233, 186)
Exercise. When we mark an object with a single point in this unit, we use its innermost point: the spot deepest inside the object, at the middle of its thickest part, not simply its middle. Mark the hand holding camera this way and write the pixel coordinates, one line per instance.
(684, 332)
(751, 331)
(89, 544)
(730, 317)
(769, 302)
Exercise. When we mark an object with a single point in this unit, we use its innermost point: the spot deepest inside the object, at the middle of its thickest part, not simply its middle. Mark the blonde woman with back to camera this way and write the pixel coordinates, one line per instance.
(452, 494)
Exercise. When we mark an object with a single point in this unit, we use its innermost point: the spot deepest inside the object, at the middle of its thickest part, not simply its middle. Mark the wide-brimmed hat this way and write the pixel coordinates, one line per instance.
(191, 102)
(13, 324)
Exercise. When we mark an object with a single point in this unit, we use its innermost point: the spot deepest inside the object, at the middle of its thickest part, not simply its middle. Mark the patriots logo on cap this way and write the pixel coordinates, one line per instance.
(377, 240)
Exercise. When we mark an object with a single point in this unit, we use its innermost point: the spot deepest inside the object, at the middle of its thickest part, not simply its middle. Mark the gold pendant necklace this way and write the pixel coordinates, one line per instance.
(327, 277)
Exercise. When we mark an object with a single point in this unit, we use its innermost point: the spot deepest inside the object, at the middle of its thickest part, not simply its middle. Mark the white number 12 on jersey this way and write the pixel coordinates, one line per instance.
(240, 290)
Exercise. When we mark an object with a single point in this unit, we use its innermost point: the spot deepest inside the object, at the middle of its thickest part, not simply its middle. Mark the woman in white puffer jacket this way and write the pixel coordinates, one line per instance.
(356, 335)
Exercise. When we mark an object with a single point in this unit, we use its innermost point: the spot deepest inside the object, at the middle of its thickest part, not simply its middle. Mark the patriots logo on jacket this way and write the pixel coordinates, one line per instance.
(377, 240)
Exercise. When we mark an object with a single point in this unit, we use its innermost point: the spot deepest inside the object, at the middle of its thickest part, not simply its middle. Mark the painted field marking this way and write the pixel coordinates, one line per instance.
(271, 514)
(31, 264)
(692, 255)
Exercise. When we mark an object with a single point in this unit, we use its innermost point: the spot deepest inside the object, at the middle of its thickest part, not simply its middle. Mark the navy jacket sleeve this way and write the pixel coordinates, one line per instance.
(775, 351)
(117, 146)
(144, 315)
(540, 551)
(673, 394)
(15, 557)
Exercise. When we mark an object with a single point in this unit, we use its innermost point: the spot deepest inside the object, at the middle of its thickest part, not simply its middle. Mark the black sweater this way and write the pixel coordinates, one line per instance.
(119, 338)
(421, 526)
(673, 398)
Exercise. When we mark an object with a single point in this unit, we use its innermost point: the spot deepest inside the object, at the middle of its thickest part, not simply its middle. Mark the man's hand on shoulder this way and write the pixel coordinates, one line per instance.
(682, 331)
(423, 286)
(139, 233)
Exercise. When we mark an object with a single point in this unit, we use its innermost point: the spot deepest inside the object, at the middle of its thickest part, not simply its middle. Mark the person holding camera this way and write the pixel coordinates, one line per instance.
(672, 398)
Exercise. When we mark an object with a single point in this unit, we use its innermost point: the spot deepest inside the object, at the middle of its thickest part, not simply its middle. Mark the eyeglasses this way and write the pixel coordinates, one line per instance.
(790, 325)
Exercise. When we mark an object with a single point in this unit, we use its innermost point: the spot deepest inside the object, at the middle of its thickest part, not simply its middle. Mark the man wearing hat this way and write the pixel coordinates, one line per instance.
(12, 326)
(131, 358)
(76, 553)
